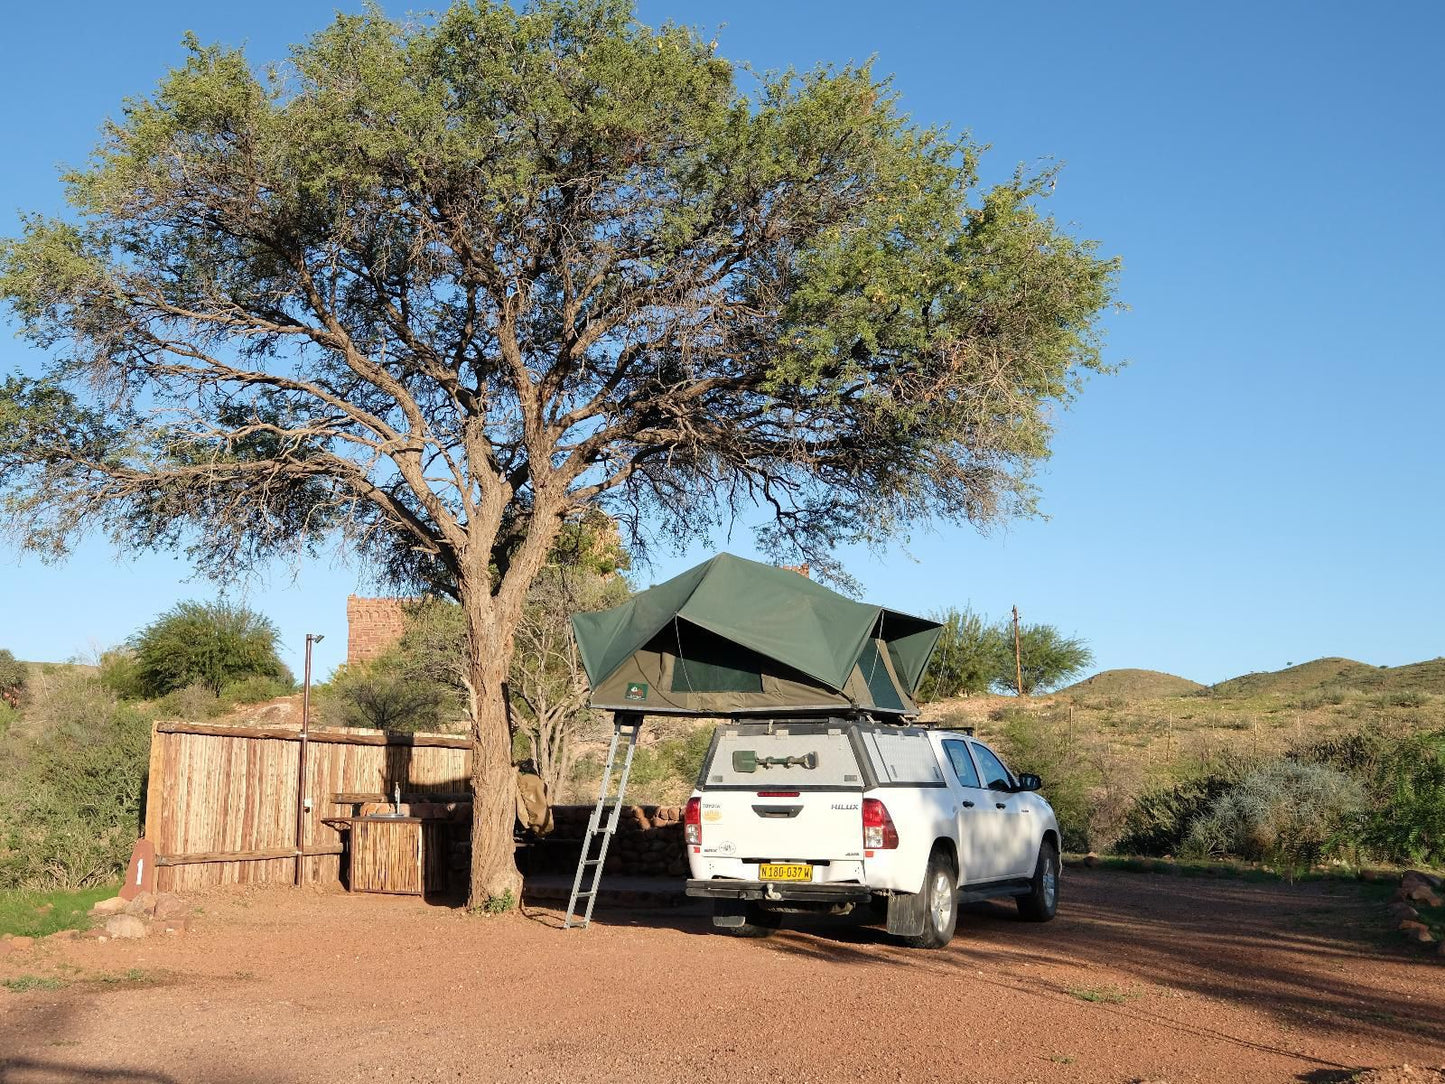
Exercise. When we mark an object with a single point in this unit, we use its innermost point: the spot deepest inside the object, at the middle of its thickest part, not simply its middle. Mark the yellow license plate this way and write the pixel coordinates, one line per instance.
(788, 872)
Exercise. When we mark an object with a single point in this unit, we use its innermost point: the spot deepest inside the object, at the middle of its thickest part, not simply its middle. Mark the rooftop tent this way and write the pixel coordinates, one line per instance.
(732, 636)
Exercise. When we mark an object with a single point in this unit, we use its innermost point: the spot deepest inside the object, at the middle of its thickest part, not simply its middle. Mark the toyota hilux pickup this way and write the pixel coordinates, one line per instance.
(897, 824)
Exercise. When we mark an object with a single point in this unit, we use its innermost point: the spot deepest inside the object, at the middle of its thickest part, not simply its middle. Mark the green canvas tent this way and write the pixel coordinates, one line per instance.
(733, 637)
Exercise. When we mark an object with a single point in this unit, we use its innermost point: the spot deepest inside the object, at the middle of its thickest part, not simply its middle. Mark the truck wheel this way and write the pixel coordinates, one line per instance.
(1042, 901)
(940, 903)
(753, 922)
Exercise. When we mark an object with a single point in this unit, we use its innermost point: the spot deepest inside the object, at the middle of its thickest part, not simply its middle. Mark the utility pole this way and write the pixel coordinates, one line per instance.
(1018, 655)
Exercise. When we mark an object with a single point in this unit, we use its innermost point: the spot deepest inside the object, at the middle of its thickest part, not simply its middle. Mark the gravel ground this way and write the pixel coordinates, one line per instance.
(1143, 977)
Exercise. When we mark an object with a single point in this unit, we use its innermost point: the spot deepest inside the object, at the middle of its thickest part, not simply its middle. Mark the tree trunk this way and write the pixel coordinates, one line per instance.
(494, 790)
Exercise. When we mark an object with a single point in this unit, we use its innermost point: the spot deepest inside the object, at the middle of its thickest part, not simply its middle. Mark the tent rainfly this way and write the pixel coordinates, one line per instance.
(733, 637)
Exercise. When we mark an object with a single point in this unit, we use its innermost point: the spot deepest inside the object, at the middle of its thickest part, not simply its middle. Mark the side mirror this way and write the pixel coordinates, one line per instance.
(1028, 781)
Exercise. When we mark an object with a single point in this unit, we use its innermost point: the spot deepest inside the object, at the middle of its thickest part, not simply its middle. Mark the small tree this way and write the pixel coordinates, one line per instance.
(1049, 658)
(13, 675)
(205, 643)
(969, 655)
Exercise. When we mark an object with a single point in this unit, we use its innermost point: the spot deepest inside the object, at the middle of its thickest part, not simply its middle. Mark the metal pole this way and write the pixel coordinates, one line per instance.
(301, 759)
(1018, 655)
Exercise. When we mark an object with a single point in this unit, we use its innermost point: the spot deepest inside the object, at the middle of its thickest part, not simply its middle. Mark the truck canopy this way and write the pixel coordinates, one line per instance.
(733, 636)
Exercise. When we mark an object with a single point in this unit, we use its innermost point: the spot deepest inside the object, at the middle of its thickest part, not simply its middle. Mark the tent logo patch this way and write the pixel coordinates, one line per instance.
(636, 690)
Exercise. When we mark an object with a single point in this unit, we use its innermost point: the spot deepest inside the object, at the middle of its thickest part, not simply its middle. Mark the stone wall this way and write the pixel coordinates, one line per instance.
(648, 843)
(372, 626)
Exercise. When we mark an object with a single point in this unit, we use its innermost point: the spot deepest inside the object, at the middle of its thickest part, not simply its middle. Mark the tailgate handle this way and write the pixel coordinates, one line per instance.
(777, 811)
(967, 805)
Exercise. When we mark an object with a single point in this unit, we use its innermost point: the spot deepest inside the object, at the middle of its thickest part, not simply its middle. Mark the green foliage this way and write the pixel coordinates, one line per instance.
(1049, 659)
(206, 643)
(1405, 821)
(70, 792)
(1285, 813)
(975, 655)
(25, 983)
(29, 913)
(500, 905)
(1159, 820)
(256, 689)
(385, 693)
(13, 676)
(1029, 745)
(969, 656)
(120, 673)
(194, 702)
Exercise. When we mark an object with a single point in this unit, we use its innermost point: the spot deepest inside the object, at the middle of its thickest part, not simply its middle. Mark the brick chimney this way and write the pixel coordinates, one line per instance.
(372, 626)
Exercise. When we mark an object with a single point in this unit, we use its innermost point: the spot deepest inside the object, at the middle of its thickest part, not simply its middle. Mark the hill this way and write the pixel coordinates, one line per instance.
(1135, 684)
(1331, 674)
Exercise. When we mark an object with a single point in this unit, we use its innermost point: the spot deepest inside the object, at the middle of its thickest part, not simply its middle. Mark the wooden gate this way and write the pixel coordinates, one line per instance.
(221, 800)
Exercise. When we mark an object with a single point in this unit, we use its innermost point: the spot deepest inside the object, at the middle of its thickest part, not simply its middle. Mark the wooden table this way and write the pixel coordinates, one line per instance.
(401, 855)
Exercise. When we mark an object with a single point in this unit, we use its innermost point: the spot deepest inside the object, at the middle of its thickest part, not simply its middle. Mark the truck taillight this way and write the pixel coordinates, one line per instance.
(692, 822)
(878, 831)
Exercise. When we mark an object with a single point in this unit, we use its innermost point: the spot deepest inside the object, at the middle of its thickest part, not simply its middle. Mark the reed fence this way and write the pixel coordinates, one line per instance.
(221, 803)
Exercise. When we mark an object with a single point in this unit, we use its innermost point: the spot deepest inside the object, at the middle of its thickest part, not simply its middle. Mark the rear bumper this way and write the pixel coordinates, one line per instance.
(724, 888)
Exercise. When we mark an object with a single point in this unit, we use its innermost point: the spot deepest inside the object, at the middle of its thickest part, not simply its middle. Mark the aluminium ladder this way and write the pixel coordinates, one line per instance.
(625, 725)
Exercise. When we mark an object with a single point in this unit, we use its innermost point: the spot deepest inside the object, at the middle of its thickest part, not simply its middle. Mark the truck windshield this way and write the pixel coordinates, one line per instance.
(804, 755)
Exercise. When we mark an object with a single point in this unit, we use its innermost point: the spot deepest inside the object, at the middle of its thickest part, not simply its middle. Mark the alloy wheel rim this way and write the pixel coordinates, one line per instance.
(1051, 884)
(942, 901)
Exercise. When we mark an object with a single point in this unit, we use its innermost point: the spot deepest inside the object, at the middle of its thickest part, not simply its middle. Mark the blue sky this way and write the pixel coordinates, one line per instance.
(1261, 484)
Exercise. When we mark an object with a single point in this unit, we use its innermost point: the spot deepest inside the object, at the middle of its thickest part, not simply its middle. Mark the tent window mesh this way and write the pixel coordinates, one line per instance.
(880, 685)
(707, 663)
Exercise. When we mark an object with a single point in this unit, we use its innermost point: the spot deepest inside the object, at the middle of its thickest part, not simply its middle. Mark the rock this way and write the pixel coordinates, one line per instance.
(1420, 892)
(1091, 859)
(125, 926)
(19, 943)
(1401, 911)
(143, 904)
(113, 906)
(171, 925)
(169, 905)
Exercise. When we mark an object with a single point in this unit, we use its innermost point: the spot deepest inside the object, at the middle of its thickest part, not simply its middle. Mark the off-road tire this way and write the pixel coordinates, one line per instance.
(1042, 901)
(940, 913)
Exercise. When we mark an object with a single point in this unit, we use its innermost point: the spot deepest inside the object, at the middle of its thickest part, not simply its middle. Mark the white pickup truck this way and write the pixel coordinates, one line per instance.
(840, 815)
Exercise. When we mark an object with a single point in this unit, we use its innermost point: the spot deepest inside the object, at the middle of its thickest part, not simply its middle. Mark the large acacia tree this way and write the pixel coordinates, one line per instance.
(431, 288)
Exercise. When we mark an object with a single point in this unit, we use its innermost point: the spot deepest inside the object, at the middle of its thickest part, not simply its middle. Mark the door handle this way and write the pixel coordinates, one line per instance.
(967, 805)
(999, 805)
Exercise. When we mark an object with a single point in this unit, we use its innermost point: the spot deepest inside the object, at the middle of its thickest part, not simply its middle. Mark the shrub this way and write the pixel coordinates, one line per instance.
(194, 702)
(70, 807)
(383, 694)
(1405, 698)
(255, 690)
(1029, 745)
(13, 676)
(120, 673)
(211, 644)
(1159, 820)
(1286, 813)
(1406, 819)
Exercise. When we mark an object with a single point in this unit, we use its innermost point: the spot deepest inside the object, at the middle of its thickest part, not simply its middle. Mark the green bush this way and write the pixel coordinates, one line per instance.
(384, 694)
(193, 703)
(1285, 813)
(1029, 745)
(1406, 819)
(256, 690)
(120, 673)
(1159, 820)
(70, 796)
(1404, 698)
(207, 643)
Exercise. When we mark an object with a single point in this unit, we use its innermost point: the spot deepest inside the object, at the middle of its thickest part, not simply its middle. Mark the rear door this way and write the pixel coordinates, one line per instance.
(783, 794)
(980, 824)
(1017, 832)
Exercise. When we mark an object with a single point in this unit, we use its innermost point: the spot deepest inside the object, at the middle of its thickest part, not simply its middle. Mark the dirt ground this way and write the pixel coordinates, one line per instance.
(1143, 977)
